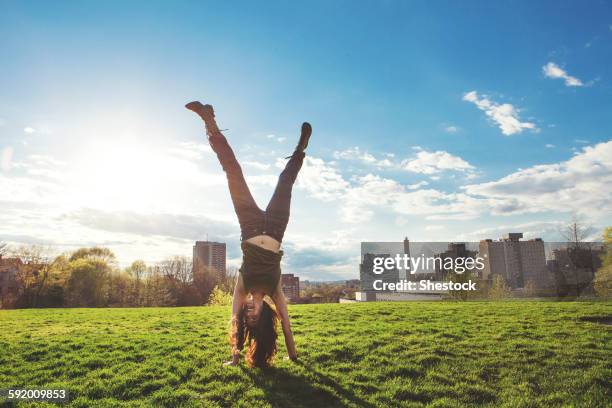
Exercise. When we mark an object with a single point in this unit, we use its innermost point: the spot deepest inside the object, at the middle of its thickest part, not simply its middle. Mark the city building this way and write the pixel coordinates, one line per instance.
(454, 251)
(367, 275)
(518, 262)
(291, 286)
(210, 256)
(8, 275)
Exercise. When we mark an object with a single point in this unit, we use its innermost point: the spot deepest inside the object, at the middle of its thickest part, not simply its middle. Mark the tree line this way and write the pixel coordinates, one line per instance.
(91, 277)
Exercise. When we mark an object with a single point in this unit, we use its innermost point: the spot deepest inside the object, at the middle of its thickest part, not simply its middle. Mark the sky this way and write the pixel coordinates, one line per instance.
(439, 121)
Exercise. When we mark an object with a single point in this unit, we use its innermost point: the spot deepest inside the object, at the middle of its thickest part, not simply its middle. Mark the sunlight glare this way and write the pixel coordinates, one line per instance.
(128, 175)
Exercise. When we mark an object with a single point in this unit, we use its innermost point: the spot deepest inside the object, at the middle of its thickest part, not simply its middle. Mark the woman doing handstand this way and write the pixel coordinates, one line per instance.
(254, 320)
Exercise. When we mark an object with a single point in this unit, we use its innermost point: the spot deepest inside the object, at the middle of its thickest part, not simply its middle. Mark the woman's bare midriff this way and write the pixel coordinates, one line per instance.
(266, 242)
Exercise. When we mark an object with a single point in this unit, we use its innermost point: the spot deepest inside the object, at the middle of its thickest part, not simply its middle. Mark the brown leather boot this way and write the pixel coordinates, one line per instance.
(207, 113)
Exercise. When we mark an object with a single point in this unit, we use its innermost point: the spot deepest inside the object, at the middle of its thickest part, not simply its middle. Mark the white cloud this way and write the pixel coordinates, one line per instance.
(182, 226)
(45, 160)
(355, 153)
(505, 115)
(368, 192)
(451, 129)
(581, 141)
(552, 70)
(435, 162)
(190, 150)
(28, 189)
(321, 179)
(424, 162)
(549, 146)
(548, 230)
(279, 139)
(256, 165)
(29, 130)
(262, 179)
(359, 198)
(418, 185)
(581, 184)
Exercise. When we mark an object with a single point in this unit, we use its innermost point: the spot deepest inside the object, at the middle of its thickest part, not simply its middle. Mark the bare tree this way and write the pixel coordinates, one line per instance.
(178, 275)
(579, 250)
(156, 290)
(177, 269)
(4, 249)
(575, 232)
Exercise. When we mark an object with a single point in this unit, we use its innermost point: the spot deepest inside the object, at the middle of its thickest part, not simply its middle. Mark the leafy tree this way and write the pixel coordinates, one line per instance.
(530, 288)
(463, 277)
(54, 291)
(205, 280)
(499, 288)
(156, 289)
(95, 253)
(85, 286)
(137, 271)
(119, 289)
(603, 277)
(220, 297)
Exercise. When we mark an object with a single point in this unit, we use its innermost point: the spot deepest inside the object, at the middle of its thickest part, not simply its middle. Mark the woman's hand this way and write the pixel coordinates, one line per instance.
(234, 361)
(293, 357)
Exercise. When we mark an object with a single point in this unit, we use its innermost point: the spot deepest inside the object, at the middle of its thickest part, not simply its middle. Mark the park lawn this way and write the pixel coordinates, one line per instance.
(438, 354)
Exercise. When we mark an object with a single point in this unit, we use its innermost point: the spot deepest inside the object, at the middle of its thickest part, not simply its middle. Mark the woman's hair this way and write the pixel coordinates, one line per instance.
(260, 340)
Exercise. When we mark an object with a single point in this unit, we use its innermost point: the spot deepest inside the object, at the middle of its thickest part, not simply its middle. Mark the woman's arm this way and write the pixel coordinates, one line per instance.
(239, 297)
(281, 308)
(237, 304)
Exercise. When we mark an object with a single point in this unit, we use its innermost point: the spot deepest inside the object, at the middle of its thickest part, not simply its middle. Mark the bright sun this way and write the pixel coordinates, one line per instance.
(128, 175)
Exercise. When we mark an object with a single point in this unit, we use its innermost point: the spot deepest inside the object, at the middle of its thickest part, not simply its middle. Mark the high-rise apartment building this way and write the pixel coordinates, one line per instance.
(8, 275)
(209, 256)
(515, 260)
(291, 286)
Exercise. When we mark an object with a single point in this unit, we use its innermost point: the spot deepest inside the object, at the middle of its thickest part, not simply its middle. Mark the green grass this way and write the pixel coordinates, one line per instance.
(434, 354)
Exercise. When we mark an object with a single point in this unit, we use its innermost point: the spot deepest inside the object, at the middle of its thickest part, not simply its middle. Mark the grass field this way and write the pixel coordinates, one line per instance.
(365, 355)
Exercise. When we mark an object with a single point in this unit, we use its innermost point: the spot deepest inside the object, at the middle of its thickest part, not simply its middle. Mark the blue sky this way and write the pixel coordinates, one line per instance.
(440, 121)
